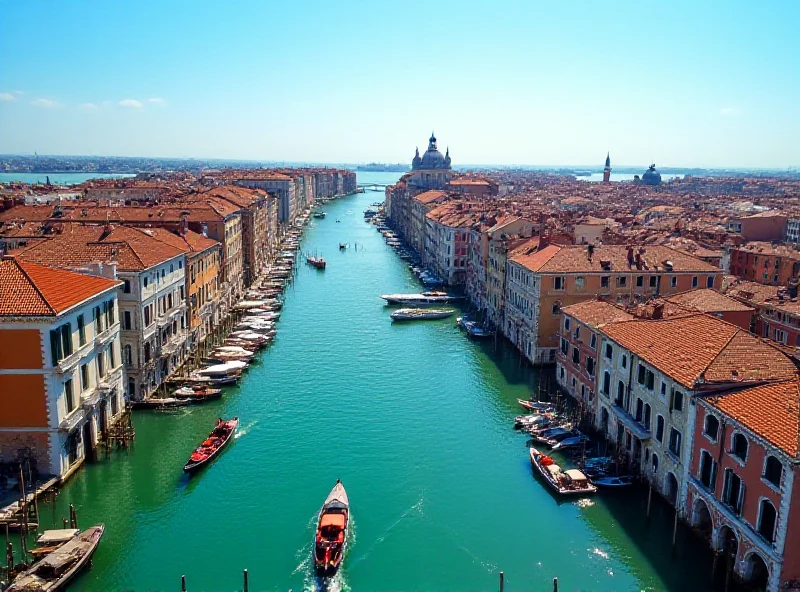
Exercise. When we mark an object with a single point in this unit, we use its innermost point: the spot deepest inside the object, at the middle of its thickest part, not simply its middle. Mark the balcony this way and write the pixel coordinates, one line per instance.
(73, 420)
(92, 398)
(68, 363)
(106, 335)
(626, 419)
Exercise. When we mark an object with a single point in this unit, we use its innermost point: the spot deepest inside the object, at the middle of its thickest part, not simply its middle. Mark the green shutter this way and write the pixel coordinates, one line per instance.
(55, 345)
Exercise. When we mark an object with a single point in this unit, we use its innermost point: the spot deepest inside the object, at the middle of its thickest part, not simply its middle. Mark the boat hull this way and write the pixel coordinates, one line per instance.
(192, 467)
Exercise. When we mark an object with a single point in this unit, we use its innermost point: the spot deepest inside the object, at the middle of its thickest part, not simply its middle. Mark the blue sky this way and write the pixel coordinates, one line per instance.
(681, 83)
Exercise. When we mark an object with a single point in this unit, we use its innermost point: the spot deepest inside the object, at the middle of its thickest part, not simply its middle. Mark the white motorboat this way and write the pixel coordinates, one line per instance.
(421, 314)
(422, 299)
(618, 482)
(233, 349)
(232, 368)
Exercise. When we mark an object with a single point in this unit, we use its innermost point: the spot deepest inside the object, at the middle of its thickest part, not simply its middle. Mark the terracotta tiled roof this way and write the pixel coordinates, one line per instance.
(535, 261)
(699, 349)
(429, 196)
(753, 293)
(28, 289)
(575, 259)
(708, 300)
(771, 410)
(596, 313)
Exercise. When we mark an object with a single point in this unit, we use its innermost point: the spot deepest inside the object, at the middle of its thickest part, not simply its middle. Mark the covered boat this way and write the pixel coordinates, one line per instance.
(197, 394)
(569, 482)
(212, 445)
(228, 369)
(421, 314)
(56, 570)
(317, 262)
(330, 542)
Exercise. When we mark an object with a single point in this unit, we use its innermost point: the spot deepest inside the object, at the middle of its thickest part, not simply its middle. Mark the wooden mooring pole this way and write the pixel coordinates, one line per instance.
(502, 581)
(555, 584)
(183, 583)
(246, 584)
(649, 499)
(675, 530)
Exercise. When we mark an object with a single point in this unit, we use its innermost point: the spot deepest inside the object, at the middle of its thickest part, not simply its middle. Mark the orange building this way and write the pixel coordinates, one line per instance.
(540, 284)
(766, 264)
(61, 374)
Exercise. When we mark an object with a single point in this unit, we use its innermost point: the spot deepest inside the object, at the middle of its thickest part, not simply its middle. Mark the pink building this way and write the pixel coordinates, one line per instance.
(741, 493)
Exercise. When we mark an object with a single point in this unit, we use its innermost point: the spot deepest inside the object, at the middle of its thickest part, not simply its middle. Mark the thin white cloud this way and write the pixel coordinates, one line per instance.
(131, 104)
(156, 101)
(18, 92)
(729, 111)
(9, 97)
(90, 106)
(44, 103)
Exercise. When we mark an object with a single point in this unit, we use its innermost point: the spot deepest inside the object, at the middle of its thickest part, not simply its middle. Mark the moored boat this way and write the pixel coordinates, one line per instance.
(57, 569)
(319, 215)
(421, 299)
(212, 445)
(197, 394)
(330, 541)
(317, 262)
(614, 482)
(538, 406)
(569, 482)
(421, 314)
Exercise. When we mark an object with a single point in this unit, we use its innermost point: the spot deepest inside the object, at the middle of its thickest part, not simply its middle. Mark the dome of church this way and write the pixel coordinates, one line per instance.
(651, 176)
(432, 159)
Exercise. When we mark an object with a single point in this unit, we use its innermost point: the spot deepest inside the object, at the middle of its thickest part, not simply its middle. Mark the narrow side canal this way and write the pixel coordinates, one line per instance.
(415, 420)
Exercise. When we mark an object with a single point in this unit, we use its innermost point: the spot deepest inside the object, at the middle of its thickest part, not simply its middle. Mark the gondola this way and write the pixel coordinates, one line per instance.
(330, 542)
(56, 570)
(211, 446)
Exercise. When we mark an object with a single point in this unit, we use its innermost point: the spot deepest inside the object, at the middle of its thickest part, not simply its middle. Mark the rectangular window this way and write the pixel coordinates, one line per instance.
(650, 380)
(97, 322)
(55, 346)
(566, 323)
(673, 281)
(677, 400)
(606, 384)
(111, 318)
(733, 491)
(640, 281)
(101, 364)
(708, 470)
(663, 389)
(593, 341)
(622, 281)
(564, 346)
(66, 339)
(660, 428)
(576, 356)
(710, 281)
(81, 331)
(609, 351)
(694, 281)
(604, 281)
(84, 377)
(112, 359)
(590, 366)
(147, 316)
(675, 442)
(69, 396)
(653, 281)
(579, 282)
(640, 378)
(558, 283)
(127, 287)
(127, 320)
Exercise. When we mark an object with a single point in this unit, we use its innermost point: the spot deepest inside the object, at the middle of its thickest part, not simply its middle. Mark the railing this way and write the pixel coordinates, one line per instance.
(93, 398)
(104, 336)
(68, 363)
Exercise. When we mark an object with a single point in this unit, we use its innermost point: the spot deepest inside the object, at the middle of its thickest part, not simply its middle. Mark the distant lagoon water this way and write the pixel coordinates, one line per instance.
(58, 178)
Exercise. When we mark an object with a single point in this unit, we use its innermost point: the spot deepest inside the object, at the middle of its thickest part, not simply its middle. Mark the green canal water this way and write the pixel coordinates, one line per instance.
(415, 420)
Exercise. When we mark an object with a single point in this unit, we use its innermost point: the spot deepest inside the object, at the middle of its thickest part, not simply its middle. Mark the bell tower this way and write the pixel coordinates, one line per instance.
(607, 170)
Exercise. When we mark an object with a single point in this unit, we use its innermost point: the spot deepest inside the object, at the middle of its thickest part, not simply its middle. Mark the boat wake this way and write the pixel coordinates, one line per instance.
(241, 432)
(417, 507)
(312, 583)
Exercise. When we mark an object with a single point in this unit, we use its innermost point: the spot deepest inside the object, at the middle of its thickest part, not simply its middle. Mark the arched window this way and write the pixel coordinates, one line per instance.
(767, 517)
(711, 428)
(739, 447)
(557, 307)
(655, 462)
(773, 470)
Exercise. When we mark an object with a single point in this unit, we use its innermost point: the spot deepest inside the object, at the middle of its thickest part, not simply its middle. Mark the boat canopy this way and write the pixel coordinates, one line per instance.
(336, 519)
(575, 475)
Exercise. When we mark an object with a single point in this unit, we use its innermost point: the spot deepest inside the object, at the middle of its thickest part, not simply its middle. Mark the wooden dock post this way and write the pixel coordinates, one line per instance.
(555, 584)
(649, 499)
(63, 522)
(502, 581)
(675, 529)
(246, 586)
(183, 583)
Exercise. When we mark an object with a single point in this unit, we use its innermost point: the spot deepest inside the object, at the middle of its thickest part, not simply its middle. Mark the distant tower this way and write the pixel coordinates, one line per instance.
(607, 170)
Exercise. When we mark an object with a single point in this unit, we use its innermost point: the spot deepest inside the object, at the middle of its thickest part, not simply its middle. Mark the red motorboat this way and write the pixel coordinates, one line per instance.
(330, 542)
(216, 441)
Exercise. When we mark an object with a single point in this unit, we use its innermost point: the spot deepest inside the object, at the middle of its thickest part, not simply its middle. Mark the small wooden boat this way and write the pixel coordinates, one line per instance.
(421, 314)
(57, 569)
(569, 482)
(536, 405)
(317, 262)
(211, 446)
(163, 403)
(553, 436)
(198, 394)
(319, 215)
(330, 542)
(342, 246)
(571, 442)
(614, 482)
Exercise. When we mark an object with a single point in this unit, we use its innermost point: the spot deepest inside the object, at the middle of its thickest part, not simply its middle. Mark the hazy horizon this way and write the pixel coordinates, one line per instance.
(696, 86)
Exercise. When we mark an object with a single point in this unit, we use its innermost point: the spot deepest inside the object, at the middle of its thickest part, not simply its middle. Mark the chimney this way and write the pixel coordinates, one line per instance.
(590, 251)
(184, 224)
(658, 311)
(630, 256)
(638, 260)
